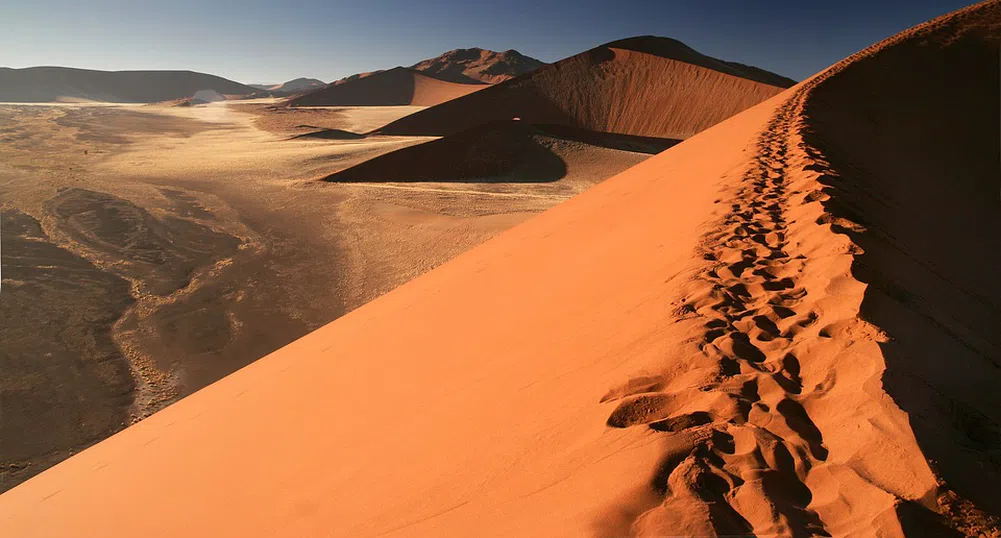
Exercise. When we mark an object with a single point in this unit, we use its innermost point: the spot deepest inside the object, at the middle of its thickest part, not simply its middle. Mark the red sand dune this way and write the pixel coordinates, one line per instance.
(645, 86)
(477, 65)
(785, 325)
(44, 84)
(398, 86)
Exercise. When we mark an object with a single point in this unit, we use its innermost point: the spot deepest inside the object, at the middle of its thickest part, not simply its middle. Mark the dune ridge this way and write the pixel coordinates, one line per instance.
(745, 287)
(863, 451)
(45, 84)
(394, 87)
(647, 86)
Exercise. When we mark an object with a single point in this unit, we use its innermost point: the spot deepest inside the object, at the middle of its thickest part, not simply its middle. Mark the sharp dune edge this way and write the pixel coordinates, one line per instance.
(397, 86)
(720, 340)
(646, 86)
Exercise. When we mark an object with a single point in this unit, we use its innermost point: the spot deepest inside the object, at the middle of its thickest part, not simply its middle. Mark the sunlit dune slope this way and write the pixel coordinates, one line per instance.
(398, 86)
(647, 86)
(768, 329)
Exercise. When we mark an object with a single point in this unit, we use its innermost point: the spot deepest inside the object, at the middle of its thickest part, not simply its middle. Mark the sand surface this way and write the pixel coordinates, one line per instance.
(782, 326)
(150, 250)
(399, 86)
(651, 86)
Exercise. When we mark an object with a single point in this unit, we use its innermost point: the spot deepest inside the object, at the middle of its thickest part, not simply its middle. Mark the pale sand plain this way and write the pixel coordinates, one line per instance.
(151, 250)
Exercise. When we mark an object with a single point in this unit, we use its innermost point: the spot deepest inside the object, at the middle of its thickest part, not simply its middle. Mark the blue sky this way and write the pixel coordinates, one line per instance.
(271, 41)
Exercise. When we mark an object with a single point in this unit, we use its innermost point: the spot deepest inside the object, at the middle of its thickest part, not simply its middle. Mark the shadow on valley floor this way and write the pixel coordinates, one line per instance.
(503, 151)
(65, 384)
(116, 126)
(328, 134)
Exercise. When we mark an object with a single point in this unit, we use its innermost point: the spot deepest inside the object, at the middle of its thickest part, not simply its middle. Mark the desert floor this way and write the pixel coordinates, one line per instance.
(148, 250)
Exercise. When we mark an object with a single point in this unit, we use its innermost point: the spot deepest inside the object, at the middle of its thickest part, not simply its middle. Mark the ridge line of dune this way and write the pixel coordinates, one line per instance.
(752, 454)
(747, 453)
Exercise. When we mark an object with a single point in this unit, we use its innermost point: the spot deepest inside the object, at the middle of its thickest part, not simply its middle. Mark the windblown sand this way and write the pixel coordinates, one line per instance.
(785, 325)
(149, 251)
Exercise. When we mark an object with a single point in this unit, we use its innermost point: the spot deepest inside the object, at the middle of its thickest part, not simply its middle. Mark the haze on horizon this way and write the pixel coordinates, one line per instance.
(268, 42)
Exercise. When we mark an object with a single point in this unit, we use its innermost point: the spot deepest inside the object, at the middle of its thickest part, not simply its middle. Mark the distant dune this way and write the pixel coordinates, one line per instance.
(427, 83)
(478, 65)
(398, 86)
(292, 86)
(44, 84)
(645, 86)
(784, 326)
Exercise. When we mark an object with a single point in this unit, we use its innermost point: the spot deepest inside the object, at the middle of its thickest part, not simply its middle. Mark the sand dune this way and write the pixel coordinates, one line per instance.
(785, 325)
(477, 65)
(509, 151)
(646, 86)
(44, 84)
(398, 86)
(300, 84)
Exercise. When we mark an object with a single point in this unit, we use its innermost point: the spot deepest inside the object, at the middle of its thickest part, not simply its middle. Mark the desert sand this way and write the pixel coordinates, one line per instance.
(505, 152)
(784, 325)
(399, 86)
(151, 250)
(646, 86)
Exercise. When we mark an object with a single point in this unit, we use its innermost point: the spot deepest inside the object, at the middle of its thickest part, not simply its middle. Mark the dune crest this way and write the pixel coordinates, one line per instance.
(394, 87)
(759, 331)
(648, 86)
(891, 438)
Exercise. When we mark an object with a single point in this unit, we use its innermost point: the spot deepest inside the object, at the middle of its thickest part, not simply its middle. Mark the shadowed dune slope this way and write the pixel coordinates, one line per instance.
(397, 86)
(753, 332)
(498, 151)
(909, 137)
(44, 84)
(643, 86)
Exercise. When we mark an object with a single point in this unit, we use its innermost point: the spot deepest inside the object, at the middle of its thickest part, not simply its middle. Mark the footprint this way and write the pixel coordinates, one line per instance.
(682, 422)
(640, 409)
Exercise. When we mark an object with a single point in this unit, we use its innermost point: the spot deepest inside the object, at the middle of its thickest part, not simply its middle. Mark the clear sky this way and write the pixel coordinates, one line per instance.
(256, 41)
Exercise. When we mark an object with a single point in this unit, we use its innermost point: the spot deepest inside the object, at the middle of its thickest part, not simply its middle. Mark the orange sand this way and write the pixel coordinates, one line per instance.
(646, 86)
(398, 86)
(680, 350)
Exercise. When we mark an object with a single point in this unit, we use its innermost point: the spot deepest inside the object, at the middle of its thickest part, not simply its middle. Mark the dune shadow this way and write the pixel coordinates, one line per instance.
(910, 162)
(497, 152)
(637, 144)
(328, 134)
